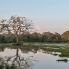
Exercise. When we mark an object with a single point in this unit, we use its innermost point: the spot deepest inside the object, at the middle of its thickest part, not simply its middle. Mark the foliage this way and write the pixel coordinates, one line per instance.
(17, 29)
(34, 37)
(15, 26)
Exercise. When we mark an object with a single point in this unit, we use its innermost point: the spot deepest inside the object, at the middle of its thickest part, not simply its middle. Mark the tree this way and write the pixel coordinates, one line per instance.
(15, 25)
(47, 36)
(44, 37)
(56, 37)
(65, 36)
(36, 37)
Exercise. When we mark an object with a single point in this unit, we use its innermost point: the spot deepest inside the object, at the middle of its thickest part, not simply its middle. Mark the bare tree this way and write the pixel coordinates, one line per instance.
(15, 25)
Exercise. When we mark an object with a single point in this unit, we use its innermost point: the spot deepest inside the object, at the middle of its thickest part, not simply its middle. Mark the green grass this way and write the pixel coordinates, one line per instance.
(29, 47)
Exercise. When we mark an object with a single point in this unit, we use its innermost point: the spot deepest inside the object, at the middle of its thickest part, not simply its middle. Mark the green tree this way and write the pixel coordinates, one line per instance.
(36, 37)
(56, 37)
(16, 26)
(47, 36)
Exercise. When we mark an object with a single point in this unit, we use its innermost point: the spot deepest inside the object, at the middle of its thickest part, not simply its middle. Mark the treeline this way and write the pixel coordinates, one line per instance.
(36, 37)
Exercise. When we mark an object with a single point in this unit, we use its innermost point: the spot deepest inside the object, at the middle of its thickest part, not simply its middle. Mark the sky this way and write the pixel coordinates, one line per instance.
(47, 15)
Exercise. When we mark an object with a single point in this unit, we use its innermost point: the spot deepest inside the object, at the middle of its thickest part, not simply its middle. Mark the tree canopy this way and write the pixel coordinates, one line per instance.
(15, 25)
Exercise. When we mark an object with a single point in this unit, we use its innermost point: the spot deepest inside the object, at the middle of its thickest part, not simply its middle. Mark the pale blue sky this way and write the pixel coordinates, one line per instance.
(47, 15)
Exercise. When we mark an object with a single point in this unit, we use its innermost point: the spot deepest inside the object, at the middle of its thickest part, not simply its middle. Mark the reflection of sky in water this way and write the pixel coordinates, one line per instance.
(43, 60)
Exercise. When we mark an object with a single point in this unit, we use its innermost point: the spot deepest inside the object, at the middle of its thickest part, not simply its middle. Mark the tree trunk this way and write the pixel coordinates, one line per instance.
(17, 39)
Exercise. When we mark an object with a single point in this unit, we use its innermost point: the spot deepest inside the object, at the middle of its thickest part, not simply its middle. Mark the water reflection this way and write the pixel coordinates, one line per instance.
(17, 59)
(15, 62)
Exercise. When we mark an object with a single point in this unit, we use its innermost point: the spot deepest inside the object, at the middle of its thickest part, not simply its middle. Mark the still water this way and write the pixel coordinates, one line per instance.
(32, 59)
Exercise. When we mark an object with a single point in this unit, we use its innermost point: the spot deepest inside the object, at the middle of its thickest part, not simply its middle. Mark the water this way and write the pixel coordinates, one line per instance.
(32, 59)
(48, 44)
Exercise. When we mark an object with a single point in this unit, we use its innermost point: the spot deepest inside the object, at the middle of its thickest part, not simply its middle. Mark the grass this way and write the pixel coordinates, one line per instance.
(29, 47)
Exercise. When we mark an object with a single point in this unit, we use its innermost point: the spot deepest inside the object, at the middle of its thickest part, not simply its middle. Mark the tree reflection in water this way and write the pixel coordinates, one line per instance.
(15, 62)
(19, 62)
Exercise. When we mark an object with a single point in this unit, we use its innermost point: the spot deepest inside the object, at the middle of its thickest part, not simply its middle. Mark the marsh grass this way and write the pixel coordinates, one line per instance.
(29, 47)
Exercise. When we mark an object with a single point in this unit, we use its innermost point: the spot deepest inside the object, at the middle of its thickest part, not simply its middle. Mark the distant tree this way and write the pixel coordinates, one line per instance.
(65, 36)
(15, 25)
(44, 37)
(56, 37)
(25, 37)
(36, 37)
(47, 36)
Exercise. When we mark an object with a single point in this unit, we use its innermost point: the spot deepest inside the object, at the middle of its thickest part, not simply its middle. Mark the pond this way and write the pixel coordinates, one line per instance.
(31, 58)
